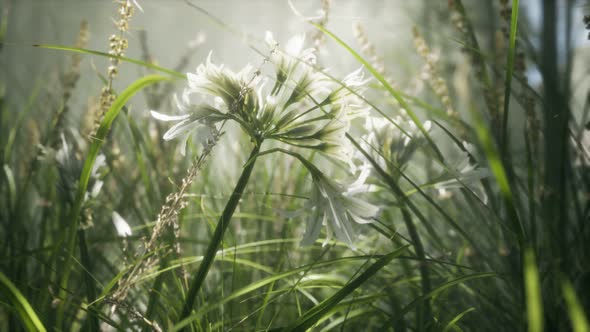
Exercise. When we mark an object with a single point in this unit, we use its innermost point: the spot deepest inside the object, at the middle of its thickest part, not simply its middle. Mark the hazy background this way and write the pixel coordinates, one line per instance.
(171, 25)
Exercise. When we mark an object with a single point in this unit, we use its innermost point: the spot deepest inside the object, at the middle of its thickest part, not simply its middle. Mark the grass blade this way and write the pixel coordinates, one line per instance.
(314, 314)
(20, 303)
(575, 309)
(442, 287)
(220, 229)
(264, 282)
(534, 302)
(451, 324)
(122, 58)
(499, 172)
(508, 78)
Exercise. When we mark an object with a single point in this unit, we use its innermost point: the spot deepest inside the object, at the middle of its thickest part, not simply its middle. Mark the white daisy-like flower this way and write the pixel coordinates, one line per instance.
(334, 207)
(121, 225)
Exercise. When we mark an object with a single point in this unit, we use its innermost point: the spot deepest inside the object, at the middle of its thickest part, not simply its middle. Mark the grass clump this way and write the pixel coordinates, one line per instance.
(287, 196)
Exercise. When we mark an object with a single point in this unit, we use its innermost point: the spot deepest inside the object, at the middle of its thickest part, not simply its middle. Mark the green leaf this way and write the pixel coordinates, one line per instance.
(453, 322)
(534, 302)
(575, 309)
(20, 303)
(499, 172)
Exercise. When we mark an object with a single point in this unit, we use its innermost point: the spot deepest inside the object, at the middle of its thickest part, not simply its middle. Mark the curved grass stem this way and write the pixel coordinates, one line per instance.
(220, 229)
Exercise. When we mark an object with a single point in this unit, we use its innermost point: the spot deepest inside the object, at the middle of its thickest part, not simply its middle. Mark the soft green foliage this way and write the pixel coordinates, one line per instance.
(20, 304)
(416, 193)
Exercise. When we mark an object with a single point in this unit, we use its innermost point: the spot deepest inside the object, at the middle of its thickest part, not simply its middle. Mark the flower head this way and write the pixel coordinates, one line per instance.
(391, 142)
(301, 106)
(335, 208)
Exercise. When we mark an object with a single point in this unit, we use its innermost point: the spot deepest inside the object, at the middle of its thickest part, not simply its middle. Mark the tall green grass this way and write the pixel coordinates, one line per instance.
(215, 245)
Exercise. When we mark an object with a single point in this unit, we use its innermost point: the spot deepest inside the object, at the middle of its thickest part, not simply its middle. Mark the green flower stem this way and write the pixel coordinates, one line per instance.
(222, 226)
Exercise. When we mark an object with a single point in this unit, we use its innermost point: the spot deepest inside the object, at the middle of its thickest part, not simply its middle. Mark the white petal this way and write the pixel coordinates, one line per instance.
(361, 208)
(166, 117)
(182, 144)
(342, 226)
(121, 225)
(99, 162)
(96, 188)
(312, 228)
(179, 129)
(295, 45)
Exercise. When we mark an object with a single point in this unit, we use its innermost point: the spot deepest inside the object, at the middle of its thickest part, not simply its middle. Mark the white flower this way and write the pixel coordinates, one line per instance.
(121, 225)
(391, 142)
(335, 208)
(301, 107)
(467, 174)
(219, 82)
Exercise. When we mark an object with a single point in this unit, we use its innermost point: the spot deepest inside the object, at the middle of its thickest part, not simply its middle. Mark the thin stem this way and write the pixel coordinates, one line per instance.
(508, 78)
(89, 282)
(222, 226)
(424, 310)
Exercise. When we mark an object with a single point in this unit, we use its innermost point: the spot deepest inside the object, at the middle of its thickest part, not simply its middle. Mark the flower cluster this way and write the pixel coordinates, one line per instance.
(391, 142)
(300, 106)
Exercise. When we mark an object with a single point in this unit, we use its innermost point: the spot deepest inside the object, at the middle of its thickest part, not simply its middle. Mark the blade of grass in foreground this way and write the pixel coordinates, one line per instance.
(30, 319)
(497, 167)
(534, 303)
(453, 323)
(314, 314)
(266, 281)
(219, 232)
(97, 143)
(575, 309)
